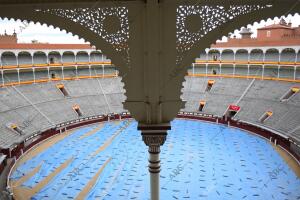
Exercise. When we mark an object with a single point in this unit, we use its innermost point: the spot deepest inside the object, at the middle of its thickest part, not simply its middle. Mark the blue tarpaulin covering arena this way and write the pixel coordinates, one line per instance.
(199, 161)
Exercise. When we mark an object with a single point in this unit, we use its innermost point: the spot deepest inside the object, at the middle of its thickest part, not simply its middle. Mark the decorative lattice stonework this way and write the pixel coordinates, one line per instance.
(109, 23)
(157, 66)
(194, 22)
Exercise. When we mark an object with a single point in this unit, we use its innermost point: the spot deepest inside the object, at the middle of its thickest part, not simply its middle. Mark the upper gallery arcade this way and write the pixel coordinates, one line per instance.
(277, 38)
(13, 53)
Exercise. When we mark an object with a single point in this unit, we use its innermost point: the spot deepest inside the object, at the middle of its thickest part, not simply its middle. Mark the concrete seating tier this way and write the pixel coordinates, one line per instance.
(37, 107)
(254, 100)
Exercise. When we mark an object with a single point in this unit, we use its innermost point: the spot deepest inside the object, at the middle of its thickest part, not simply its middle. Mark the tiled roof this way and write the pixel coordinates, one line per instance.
(276, 26)
(44, 46)
(257, 43)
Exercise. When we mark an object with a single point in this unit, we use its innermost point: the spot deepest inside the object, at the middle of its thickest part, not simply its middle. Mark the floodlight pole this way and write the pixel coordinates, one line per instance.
(154, 136)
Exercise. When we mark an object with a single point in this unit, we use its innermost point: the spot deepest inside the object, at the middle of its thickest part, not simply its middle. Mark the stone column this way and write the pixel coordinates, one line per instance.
(2, 76)
(154, 136)
(33, 73)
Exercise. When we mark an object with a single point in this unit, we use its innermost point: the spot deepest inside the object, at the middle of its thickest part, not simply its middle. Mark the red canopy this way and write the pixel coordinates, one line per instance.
(234, 108)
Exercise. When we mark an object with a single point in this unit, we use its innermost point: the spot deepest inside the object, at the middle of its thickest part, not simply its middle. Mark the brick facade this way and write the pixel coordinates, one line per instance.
(8, 39)
(281, 34)
(11, 42)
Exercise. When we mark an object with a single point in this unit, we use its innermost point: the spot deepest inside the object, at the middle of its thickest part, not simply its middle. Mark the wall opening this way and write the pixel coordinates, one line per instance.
(76, 108)
(289, 94)
(15, 128)
(53, 75)
(210, 83)
(232, 111)
(201, 105)
(265, 116)
(62, 89)
(52, 61)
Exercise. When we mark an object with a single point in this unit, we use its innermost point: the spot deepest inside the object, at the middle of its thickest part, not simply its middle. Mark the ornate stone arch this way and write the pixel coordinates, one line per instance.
(95, 56)
(24, 57)
(9, 58)
(256, 54)
(165, 38)
(68, 56)
(57, 21)
(40, 57)
(82, 56)
(227, 54)
(272, 54)
(54, 57)
(242, 54)
(214, 54)
(288, 55)
(186, 27)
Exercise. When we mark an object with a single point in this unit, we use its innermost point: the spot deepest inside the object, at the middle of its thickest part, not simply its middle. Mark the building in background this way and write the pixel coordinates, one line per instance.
(275, 35)
(275, 52)
(34, 62)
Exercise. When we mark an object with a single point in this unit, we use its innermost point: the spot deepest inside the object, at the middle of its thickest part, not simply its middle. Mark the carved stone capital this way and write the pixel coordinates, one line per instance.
(154, 135)
(154, 141)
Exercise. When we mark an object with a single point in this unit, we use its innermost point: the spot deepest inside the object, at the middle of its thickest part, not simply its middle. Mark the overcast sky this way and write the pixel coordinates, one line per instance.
(42, 33)
(28, 32)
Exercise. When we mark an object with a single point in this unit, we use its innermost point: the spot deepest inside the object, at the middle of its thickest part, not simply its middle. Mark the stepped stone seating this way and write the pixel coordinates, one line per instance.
(8, 138)
(11, 99)
(92, 105)
(290, 119)
(37, 93)
(74, 88)
(38, 107)
(225, 86)
(269, 90)
(105, 95)
(59, 111)
(295, 134)
(217, 104)
(253, 109)
(192, 84)
(261, 97)
(295, 100)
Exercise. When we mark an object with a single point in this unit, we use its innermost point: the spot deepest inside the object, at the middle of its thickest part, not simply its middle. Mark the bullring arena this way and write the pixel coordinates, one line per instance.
(65, 132)
(101, 156)
(74, 163)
